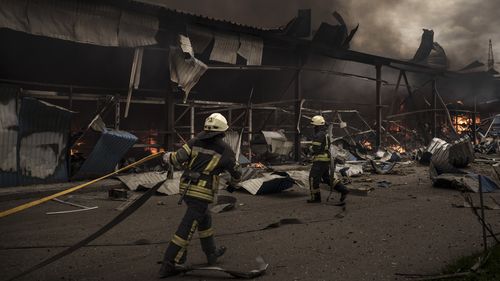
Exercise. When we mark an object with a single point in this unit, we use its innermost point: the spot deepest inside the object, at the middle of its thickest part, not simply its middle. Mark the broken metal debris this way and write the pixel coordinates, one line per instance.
(224, 203)
(383, 168)
(185, 69)
(117, 193)
(107, 153)
(450, 157)
(283, 222)
(384, 184)
(225, 47)
(81, 208)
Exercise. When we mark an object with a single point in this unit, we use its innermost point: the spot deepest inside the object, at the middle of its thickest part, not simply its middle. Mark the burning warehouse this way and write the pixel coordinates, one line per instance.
(270, 131)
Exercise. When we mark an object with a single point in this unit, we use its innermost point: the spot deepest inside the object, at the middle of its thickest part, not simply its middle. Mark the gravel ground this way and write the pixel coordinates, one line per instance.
(409, 227)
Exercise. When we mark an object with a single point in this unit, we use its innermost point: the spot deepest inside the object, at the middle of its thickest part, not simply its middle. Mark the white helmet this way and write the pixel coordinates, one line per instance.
(318, 120)
(216, 122)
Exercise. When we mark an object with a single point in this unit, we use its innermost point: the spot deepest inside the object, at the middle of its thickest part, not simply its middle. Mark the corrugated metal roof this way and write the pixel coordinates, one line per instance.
(43, 138)
(81, 21)
(165, 6)
(8, 135)
(109, 150)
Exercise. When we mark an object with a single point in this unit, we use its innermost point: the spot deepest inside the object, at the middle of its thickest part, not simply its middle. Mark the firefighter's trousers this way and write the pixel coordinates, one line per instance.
(197, 217)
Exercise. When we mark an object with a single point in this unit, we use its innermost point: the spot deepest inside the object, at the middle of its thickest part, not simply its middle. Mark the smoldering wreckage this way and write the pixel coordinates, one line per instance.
(57, 127)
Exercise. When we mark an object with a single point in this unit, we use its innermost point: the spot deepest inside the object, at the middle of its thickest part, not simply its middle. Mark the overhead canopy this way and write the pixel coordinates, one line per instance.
(79, 21)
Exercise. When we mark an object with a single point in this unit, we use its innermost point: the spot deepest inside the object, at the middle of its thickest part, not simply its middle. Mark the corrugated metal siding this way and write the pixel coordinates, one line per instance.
(43, 138)
(8, 135)
(108, 151)
(80, 21)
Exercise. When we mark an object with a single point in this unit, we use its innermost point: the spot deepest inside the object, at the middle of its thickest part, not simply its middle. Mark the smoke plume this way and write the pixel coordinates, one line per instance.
(389, 28)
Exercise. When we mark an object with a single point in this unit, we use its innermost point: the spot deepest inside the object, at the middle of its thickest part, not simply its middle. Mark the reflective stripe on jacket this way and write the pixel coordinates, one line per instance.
(208, 155)
(319, 147)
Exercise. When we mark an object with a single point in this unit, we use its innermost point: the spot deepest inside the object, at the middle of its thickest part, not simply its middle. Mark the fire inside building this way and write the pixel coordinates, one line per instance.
(272, 131)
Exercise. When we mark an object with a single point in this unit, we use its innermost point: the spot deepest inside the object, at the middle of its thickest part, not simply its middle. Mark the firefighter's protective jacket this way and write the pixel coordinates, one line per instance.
(208, 155)
(319, 146)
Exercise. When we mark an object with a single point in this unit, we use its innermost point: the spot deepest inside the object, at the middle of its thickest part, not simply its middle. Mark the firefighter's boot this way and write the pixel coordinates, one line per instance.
(212, 257)
(315, 197)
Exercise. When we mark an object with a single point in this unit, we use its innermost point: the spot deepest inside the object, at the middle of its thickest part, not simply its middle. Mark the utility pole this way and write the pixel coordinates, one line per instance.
(491, 59)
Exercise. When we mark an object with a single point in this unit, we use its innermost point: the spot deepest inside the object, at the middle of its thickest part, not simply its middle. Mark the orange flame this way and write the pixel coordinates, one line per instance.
(367, 145)
(463, 123)
(74, 150)
(258, 165)
(396, 148)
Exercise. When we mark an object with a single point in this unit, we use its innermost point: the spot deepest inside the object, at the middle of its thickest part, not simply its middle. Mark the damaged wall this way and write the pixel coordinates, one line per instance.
(33, 142)
(8, 135)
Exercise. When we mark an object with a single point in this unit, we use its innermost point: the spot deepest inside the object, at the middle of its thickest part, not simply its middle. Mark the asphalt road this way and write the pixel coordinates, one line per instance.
(409, 227)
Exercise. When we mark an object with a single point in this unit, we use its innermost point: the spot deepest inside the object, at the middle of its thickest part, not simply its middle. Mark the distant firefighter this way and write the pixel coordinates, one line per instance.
(203, 158)
(320, 169)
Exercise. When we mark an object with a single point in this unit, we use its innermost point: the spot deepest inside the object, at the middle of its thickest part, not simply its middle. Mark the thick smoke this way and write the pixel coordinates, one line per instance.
(389, 28)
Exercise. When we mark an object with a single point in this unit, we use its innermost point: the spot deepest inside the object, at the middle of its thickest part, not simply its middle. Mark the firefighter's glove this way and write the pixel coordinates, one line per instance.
(167, 161)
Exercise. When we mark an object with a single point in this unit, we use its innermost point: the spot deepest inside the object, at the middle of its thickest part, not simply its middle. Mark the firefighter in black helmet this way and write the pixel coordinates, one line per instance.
(320, 169)
(203, 158)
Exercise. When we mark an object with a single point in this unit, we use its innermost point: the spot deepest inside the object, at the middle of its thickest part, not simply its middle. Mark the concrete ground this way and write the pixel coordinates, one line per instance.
(409, 227)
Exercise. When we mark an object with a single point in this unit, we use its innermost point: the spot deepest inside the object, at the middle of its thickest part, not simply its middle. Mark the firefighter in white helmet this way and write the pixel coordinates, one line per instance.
(203, 158)
(320, 169)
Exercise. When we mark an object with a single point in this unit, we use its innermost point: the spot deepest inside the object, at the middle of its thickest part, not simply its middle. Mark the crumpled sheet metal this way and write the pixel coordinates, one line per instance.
(225, 48)
(251, 48)
(268, 183)
(451, 156)
(349, 170)
(200, 37)
(185, 72)
(149, 179)
(109, 150)
(383, 168)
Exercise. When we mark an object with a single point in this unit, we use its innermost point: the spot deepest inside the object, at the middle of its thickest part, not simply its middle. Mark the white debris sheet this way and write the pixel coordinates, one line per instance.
(186, 72)
(251, 49)
(200, 38)
(225, 48)
(149, 179)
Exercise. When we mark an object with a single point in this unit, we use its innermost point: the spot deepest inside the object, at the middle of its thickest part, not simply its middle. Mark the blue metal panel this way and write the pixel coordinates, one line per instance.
(8, 135)
(108, 151)
(43, 142)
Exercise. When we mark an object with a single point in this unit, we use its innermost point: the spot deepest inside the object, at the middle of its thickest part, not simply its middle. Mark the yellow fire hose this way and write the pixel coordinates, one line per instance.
(69, 190)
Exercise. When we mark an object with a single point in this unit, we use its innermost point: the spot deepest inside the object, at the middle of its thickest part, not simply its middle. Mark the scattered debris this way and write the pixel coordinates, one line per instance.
(383, 168)
(224, 203)
(283, 222)
(81, 207)
(384, 184)
(360, 191)
(268, 183)
(117, 193)
(109, 150)
(462, 181)
(235, 273)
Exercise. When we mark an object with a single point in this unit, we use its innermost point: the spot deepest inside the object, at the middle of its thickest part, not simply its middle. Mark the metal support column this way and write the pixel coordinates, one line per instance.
(117, 112)
(434, 107)
(169, 120)
(250, 128)
(474, 124)
(378, 129)
(70, 101)
(298, 98)
(191, 125)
